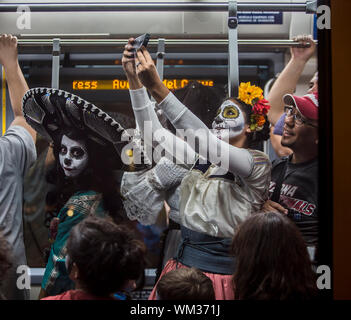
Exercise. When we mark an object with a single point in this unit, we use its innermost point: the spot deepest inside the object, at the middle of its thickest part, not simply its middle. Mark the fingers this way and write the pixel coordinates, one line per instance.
(304, 39)
(146, 54)
(270, 205)
(14, 39)
(278, 207)
(8, 39)
(141, 57)
(128, 50)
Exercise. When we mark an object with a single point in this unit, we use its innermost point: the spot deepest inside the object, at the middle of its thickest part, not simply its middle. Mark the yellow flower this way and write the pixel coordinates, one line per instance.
(247, 92)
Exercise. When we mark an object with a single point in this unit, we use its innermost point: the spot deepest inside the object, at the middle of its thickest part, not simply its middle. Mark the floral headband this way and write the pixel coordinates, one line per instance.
(253, 96)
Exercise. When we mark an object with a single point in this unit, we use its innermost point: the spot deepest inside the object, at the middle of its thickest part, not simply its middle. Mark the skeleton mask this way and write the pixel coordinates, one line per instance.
(73, 157)
(229, 121)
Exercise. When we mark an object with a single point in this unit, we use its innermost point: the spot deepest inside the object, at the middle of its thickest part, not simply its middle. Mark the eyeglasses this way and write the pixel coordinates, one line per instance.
(298, 118)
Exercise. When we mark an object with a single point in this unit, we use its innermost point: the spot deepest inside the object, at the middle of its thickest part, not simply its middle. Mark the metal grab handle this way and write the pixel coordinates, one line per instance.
(55, 76)
(160, 57)
(233, 56)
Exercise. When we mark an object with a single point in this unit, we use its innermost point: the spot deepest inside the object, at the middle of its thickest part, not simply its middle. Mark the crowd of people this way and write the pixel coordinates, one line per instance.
(240, 226)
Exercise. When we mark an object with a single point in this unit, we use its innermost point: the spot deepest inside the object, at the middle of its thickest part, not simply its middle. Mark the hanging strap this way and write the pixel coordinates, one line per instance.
(55, 75)
(160, 57)
(278, 186)
(233, 57)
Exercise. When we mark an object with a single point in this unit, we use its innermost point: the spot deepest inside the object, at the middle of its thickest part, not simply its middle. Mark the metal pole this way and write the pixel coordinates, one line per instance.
(55, 76)
(160, 57)
(153, 42)
(170, 6)
(233, 57)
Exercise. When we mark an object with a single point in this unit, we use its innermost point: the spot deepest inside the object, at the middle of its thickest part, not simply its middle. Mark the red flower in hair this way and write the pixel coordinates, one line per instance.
(261, 107)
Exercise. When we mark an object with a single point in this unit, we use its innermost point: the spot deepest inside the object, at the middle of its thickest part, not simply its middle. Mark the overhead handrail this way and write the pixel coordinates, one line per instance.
(154, 42)
(308, 6)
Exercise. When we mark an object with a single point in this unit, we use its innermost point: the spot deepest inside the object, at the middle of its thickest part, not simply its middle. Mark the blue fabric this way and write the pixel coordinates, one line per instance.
(278, 128)
(207, 253)
(56, 279)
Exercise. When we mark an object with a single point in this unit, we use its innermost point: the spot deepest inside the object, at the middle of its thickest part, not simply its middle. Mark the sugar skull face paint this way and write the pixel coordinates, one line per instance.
(73, 156)
(229, 121)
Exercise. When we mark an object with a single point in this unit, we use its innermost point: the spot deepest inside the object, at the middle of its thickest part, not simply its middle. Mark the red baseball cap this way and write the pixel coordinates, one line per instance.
(307, 105)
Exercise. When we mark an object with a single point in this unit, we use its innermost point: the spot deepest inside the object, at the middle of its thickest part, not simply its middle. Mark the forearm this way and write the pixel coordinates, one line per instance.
(159, 91)
(201, 139)
(152, 130)
(286, 83)
(17, 86)
(143, 109)
(134, 82)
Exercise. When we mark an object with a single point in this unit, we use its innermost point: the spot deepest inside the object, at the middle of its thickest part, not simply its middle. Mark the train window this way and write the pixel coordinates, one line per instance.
(105, 86)
(94, 72)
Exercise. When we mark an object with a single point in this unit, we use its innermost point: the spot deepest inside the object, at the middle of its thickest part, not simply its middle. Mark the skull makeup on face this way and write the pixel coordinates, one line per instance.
(229, 121)
(73, 157)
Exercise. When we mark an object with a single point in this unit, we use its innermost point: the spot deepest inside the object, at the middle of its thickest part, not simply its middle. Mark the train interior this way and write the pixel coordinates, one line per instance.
(90, 45)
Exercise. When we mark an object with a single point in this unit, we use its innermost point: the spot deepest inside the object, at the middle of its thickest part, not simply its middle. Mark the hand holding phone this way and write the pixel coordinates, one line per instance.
(140, 41)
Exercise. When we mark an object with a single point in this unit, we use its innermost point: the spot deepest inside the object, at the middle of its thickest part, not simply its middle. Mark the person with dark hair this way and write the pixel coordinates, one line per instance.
(103, 259)
(185, 284)
(286, 84)
(272, 262)
(5, 261)
(221, 190)
(17, 154)
(145, 192)
(294, 184)
(87, 148)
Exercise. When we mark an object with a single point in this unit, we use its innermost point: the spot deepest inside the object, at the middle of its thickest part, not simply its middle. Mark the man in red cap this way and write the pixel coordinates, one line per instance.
(294, 182)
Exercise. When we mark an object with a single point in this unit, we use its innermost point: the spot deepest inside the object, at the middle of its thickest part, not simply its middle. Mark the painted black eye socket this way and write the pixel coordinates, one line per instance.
(77, 153)
(63, 150)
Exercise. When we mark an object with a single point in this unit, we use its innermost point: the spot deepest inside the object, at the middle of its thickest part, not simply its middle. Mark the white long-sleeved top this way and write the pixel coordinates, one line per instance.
(199, 137)
(212, 200)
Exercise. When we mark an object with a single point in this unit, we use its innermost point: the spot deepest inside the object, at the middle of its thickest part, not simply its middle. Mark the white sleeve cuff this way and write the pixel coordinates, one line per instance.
(172, 107)
(139, 98)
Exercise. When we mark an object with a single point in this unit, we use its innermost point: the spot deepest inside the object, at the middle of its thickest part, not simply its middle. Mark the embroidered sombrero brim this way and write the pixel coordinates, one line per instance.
(50, 111)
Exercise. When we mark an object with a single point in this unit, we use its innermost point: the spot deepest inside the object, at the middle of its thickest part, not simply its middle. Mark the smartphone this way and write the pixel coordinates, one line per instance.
(142, 40)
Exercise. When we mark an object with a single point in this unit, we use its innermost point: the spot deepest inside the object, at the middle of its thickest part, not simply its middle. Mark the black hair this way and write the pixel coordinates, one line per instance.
(201, 100)
(185, 284)
(107, 255)
(98, 176)
(272, 262)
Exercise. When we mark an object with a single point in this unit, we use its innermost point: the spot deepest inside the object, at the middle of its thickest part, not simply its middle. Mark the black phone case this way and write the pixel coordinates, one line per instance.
(142, 40)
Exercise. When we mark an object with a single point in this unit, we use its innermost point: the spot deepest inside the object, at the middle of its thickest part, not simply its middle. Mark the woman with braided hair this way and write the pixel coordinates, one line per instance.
(221, 189)
(83, 173)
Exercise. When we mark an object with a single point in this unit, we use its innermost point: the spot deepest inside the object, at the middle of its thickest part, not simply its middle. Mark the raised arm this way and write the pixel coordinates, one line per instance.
(17, 85)
(146, 117)
(200, 138)
(289, 77)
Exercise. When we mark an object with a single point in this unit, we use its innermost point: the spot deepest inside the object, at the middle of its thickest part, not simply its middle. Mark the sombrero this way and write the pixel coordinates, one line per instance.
(50, 111)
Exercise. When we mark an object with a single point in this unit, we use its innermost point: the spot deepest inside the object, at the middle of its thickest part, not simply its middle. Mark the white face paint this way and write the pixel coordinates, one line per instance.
(73, 156)
(229, 121)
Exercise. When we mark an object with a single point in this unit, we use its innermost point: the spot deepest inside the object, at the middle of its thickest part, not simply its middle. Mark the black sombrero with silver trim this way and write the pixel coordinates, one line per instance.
(49, 111)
